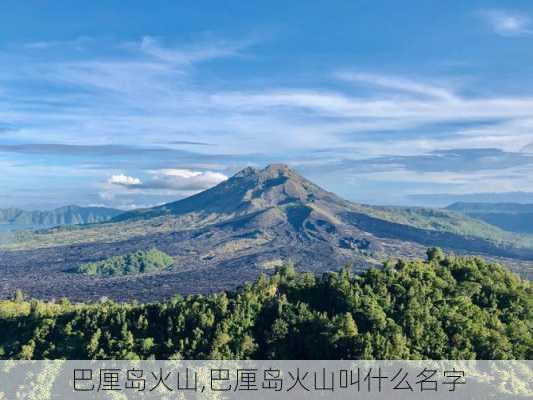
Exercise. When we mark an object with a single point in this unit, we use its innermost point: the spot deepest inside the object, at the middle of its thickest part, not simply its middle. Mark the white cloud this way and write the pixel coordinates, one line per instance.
(400, 84)
(124, 180)
(77, 44)
(165, 182)
(508, 23)
(388, 108)
(179, 173)
(191, 55)
(144, 101)
(150, 90)
(184, 179)
(512, 179)
(146, 93)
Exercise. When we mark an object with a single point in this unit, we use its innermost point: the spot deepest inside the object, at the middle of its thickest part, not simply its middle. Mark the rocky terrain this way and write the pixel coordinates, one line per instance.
(227, 235)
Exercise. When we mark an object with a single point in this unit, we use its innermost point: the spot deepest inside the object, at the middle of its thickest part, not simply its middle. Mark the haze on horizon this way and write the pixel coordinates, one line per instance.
(380, 103)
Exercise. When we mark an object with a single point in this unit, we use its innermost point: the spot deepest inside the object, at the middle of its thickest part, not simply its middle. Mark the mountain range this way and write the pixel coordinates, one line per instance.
(250, 223)
(68, 215)
(447, 199)
(511, 217)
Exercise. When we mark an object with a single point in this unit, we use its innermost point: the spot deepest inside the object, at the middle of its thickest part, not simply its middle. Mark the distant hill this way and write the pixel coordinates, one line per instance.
(444, 200)
(513, 217)
(68, 215)
(528, 148)
(227, 235)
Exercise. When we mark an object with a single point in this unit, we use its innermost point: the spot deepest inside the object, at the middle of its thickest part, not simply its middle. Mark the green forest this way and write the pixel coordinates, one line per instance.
(138, 262)
(445, 307)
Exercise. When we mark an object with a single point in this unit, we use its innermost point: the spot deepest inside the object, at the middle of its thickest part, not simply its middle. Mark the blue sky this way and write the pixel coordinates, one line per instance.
(380, 101)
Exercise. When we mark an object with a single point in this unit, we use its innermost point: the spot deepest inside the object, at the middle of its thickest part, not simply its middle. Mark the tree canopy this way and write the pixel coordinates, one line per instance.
(139, 262)
(444, 308)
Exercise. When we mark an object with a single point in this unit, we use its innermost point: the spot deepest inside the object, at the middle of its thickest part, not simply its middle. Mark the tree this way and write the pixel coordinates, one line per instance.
(94, 343)
(147, 345)
(19, 296)
(26, 352)
(348, 326)
(435, 254)
(287, 271)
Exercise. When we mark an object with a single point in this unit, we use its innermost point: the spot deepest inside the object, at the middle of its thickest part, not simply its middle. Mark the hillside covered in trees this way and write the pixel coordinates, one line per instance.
(442, 308)
(512, 217)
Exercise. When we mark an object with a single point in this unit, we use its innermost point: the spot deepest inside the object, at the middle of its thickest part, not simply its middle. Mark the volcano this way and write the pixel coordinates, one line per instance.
(251, 223)
(249, 191)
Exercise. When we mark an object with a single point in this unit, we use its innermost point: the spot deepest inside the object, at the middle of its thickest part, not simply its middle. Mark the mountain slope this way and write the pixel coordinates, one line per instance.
(512, 217)
(277, 193)
(252, 222)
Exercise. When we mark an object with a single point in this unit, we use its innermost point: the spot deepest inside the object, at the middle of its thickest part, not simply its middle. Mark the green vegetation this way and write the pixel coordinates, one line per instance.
(451, 221)
(94, 233)
(139, 262)
(444, 308)
(511, 217)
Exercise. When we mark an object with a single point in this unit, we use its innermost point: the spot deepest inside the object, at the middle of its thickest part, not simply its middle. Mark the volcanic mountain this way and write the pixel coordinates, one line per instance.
(249, 191)
(248, 224)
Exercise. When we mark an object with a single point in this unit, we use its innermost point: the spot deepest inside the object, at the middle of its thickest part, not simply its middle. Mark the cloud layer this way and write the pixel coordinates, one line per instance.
(157, 119)
(169, 182)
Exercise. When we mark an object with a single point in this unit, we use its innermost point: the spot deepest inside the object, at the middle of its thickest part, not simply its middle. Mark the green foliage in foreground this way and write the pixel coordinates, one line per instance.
(444, 308)
(138, 262)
